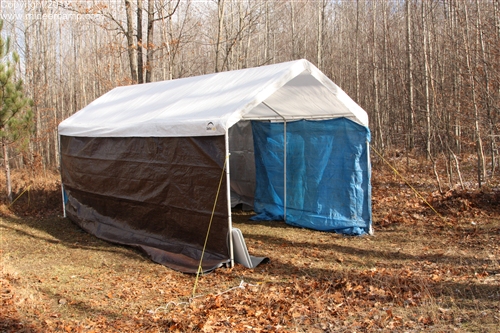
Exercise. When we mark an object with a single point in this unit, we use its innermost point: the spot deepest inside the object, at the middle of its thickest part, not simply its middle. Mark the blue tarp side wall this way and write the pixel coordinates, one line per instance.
(328, 174)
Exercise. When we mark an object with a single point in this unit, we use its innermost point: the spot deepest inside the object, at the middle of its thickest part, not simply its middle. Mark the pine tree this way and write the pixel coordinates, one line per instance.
(15, 112)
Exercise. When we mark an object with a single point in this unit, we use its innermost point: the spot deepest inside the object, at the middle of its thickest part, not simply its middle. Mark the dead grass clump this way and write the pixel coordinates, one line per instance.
(33, 194)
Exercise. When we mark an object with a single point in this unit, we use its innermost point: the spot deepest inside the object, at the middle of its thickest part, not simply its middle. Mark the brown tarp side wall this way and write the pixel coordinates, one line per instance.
(154, 193)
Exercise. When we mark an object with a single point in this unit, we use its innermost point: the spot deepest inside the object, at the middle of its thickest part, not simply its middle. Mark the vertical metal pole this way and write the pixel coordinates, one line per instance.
(284, 156)
(228, 189)
(369, 167)
(63, 203)
(60, 171)
(284, 169)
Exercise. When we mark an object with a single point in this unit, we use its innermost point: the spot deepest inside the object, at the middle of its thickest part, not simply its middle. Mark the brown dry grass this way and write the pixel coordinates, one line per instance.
(417, 273)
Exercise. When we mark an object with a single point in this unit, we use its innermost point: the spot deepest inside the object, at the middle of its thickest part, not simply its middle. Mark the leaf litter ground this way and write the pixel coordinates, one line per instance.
(419, 272)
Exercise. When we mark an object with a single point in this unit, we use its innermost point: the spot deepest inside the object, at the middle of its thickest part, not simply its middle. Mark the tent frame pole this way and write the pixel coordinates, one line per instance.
(290, 118)
(228, 190)
(369, 164)
(284, 157)
(284, 170)
(60, 168)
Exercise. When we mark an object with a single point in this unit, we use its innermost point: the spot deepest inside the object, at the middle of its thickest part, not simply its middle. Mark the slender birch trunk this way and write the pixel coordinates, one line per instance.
(409, 54)
(321, 23)
(481, 170)
(426, 83)
(376, 102)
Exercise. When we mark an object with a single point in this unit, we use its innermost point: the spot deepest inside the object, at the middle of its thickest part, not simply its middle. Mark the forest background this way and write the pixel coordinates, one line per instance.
(427, 72)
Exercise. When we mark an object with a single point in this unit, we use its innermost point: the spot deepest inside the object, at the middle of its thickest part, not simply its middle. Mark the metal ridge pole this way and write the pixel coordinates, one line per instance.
(284, 157)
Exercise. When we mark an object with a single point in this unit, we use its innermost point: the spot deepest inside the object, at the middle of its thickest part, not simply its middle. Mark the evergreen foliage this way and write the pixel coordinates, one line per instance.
(15, 109)
(15, 112)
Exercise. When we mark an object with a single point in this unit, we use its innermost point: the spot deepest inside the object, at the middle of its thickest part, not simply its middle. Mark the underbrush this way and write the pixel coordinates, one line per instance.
(33, 194)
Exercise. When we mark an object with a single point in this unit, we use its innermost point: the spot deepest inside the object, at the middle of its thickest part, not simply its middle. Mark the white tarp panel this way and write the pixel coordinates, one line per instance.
(210, 104)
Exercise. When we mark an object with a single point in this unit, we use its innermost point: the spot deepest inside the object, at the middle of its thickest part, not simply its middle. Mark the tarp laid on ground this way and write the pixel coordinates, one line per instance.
(143, 164)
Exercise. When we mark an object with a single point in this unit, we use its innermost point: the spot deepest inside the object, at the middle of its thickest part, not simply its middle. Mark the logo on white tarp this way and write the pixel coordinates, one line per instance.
(211, 126)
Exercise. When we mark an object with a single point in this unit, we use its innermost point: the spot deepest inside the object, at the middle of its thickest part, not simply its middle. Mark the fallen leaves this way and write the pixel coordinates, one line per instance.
(418, 273)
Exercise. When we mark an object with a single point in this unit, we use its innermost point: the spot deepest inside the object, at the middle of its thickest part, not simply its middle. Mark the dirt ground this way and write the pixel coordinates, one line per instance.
(421, 271)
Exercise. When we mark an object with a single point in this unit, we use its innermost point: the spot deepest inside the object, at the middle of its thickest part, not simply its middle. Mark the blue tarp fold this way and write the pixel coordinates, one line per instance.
(328, 174)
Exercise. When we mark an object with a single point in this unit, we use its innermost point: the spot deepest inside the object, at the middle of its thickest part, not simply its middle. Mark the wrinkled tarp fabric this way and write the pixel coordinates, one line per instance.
(153, 193)
(328, 174)
(242, 164)
(208, 105)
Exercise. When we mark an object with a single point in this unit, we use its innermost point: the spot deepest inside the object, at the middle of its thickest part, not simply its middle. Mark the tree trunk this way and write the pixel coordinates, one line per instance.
(481, 169)
(457, 84)
(496, 14)
(292, 30)
(219, 34)
(248, 47)
(132, 55)
(358, 92)
(266, 32)
(426, 85)
(387, 139)
(321, 23)
(457, 166)
(150, 43)
(378, 129)
(6, 164)
(411, 110)
(487, 97)
(140, 59)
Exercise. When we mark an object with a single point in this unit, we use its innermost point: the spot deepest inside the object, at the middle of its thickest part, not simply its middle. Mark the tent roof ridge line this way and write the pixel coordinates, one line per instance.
(286, 77)
(186, 106)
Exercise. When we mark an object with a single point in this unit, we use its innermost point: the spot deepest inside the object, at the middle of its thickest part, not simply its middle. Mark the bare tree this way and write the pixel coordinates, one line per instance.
(140, 57)
(131, 46)
(409, 54)
(220, 11)
(150, 41)
(321, 24)
(481, 172)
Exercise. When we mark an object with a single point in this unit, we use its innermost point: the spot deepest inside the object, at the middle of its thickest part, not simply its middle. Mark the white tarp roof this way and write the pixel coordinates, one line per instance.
(211, 104)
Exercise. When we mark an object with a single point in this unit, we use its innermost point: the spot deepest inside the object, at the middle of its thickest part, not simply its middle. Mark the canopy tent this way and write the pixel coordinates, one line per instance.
(142, 164)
